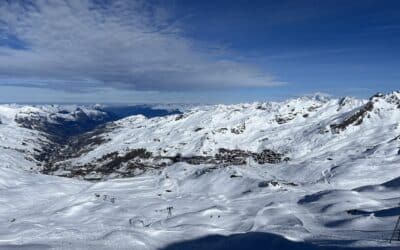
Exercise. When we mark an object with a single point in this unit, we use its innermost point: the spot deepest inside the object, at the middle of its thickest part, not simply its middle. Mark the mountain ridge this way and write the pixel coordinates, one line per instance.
(144, 183)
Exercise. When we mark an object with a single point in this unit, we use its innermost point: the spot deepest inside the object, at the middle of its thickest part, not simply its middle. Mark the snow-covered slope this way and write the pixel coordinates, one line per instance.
(309, 131)
(27, 132)
(321, 170)
(17, 144)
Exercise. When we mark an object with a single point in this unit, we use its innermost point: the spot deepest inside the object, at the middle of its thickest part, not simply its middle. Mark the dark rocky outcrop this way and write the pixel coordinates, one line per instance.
(239, 129)
(356, 118)
(282, 120)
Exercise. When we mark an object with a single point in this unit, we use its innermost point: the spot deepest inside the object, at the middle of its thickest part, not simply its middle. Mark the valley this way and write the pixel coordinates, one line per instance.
(320, 170)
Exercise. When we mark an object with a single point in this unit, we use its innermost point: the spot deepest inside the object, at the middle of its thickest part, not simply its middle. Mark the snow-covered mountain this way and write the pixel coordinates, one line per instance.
(316, 169)
(298, 131)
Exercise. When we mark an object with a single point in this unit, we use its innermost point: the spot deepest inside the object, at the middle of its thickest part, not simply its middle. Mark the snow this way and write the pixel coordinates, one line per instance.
(338, 188)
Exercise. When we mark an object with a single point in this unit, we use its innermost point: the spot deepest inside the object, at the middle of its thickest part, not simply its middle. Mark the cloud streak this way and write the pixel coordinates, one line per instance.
(77, 45)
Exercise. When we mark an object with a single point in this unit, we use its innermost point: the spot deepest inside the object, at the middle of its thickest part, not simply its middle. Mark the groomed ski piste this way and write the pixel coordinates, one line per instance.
(339, 185)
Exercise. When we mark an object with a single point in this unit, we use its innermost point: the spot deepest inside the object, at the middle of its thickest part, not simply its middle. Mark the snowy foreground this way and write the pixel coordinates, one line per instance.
(340, 186)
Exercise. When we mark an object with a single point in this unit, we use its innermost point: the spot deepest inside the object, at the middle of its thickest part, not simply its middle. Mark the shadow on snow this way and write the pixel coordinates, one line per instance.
(254, 241)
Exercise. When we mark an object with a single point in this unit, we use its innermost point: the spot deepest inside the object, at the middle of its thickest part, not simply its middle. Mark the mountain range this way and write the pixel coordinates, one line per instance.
(314, 169)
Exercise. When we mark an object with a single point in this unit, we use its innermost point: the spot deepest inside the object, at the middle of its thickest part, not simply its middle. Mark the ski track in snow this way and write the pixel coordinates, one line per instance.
(312, 199)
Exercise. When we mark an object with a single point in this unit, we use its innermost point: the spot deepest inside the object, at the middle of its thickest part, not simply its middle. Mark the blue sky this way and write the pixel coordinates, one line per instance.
(196, 51)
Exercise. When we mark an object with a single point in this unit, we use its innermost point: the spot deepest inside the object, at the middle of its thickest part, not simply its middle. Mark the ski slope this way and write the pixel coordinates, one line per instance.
(340, 187)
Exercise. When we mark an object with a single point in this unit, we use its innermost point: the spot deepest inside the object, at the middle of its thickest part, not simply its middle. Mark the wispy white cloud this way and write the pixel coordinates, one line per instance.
(84, 44)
